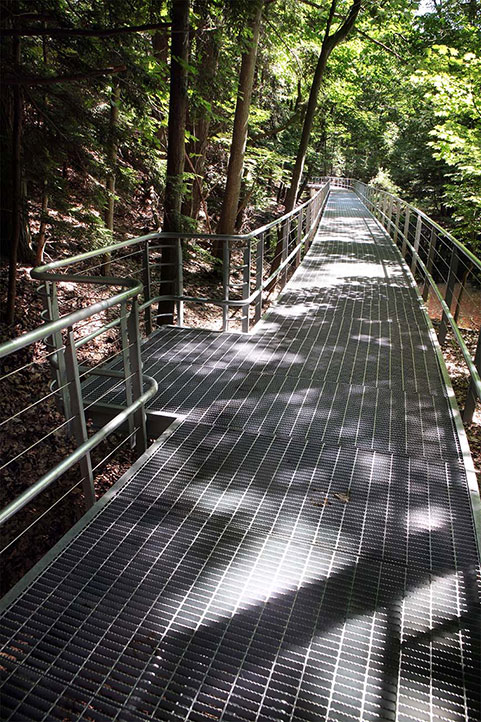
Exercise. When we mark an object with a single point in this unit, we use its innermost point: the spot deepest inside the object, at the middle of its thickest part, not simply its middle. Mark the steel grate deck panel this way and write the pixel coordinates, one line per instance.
(208, 622)
(300, 547)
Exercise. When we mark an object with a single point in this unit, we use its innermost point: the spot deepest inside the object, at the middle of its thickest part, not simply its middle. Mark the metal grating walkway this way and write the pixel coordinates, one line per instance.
(299, 546)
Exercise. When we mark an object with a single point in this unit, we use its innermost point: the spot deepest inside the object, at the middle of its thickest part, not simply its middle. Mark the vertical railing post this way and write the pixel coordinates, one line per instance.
(448, 296)
(180, 283)
(300, 217)
(124, 337)
(396, 222)
(56, 344)
(146, 280)
(389, 215)
(417, 239)
(430, 261)
(139, 416)
(406, 231)
(225, 283)
(471, 397)
(259, 275)
(79, 426)
(307, 242)
(246, 284)
(286, 232)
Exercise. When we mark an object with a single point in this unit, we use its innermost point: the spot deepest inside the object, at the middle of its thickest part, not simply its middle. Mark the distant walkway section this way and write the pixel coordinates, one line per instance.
(299, 545)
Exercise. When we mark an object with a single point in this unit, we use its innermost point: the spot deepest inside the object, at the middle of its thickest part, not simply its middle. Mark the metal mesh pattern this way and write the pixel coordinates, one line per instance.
(301, 547)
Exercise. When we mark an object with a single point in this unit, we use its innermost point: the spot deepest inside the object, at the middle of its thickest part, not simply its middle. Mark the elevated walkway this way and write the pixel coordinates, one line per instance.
(299, 545)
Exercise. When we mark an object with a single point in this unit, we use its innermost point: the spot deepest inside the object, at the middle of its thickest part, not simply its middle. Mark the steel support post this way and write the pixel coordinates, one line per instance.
(57, 362)
(448, 297)
(180, 283)
(417, 239)
(259, 275)
(396, 222)
(79, 426)
(225, 284)
(472, 398)
(246, 285)
(286, 230)
(300, 217)
(404, 246)
(430, 261)
(139, 417)
(124, 336)
(146, 280)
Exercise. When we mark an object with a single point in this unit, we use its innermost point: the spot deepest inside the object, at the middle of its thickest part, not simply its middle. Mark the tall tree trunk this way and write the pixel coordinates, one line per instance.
(207, 58)
(16, 195)
(239, 134)
(328, 45)
(109, 210)
(175, 151)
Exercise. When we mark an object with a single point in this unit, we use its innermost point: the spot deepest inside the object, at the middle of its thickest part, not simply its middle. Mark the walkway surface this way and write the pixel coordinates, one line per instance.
(298, 546)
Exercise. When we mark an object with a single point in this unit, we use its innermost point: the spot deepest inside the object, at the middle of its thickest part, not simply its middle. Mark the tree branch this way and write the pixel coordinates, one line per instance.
(381, 45)
(82, 32)
(37, 80)
(343, 31)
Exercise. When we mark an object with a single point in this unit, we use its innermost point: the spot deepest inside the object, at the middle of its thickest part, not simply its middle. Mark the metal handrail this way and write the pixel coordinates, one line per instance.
(48, 272)
(389, 210)
(56, 472)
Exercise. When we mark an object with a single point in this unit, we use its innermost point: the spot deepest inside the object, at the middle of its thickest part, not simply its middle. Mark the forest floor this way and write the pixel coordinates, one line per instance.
(61, 507)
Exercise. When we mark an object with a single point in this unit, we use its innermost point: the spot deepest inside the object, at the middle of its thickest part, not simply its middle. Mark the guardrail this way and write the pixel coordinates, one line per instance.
(29, 425)
(76, 333)
(443, 267)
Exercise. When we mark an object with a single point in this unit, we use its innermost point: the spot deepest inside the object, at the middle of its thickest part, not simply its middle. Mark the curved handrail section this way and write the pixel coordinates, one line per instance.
(262, 257)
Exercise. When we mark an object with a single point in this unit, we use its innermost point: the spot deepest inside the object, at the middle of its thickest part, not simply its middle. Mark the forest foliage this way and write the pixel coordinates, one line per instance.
(85, 112)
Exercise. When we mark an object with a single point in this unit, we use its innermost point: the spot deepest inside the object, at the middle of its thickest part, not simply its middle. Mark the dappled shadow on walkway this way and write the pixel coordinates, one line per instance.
(300, 547)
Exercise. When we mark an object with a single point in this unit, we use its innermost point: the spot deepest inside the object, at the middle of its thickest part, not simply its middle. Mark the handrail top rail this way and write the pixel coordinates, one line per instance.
(40, 272)
(47, 329)
(472, 257)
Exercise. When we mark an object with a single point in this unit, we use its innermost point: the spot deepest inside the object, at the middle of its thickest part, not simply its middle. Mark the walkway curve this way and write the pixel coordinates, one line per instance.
(299, 545)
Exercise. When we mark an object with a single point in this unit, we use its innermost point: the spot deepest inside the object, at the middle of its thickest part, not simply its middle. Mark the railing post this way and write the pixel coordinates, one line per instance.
(396, 222)
(307, 242)
(136, 370)
(417, 239)
(79, 426)
(126, 363)
(146, 280)
(57, 361)
(389, 215)
(286, 231)
(259, 274)
(225, 283)
(471, 397)
(406, 232)
(246, 284)
(448, 297)
(300, 217)
(180, 283)
(430, 260)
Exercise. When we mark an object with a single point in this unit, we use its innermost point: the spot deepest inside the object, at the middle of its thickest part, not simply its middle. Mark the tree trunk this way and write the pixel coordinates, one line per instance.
(239, 134)
(42, 234)
(175, 151)
(14, 227)
(207, 58)
(112, 161)
(328, 45)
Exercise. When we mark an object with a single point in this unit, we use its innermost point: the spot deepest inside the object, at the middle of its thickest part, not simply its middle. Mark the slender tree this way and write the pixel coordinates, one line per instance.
(175, 150)
(239, 134)
(328, 44)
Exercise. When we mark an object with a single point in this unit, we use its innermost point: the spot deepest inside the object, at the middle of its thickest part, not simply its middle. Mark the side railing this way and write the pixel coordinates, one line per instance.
(53, 457)
(448, 275)
(334, 181)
